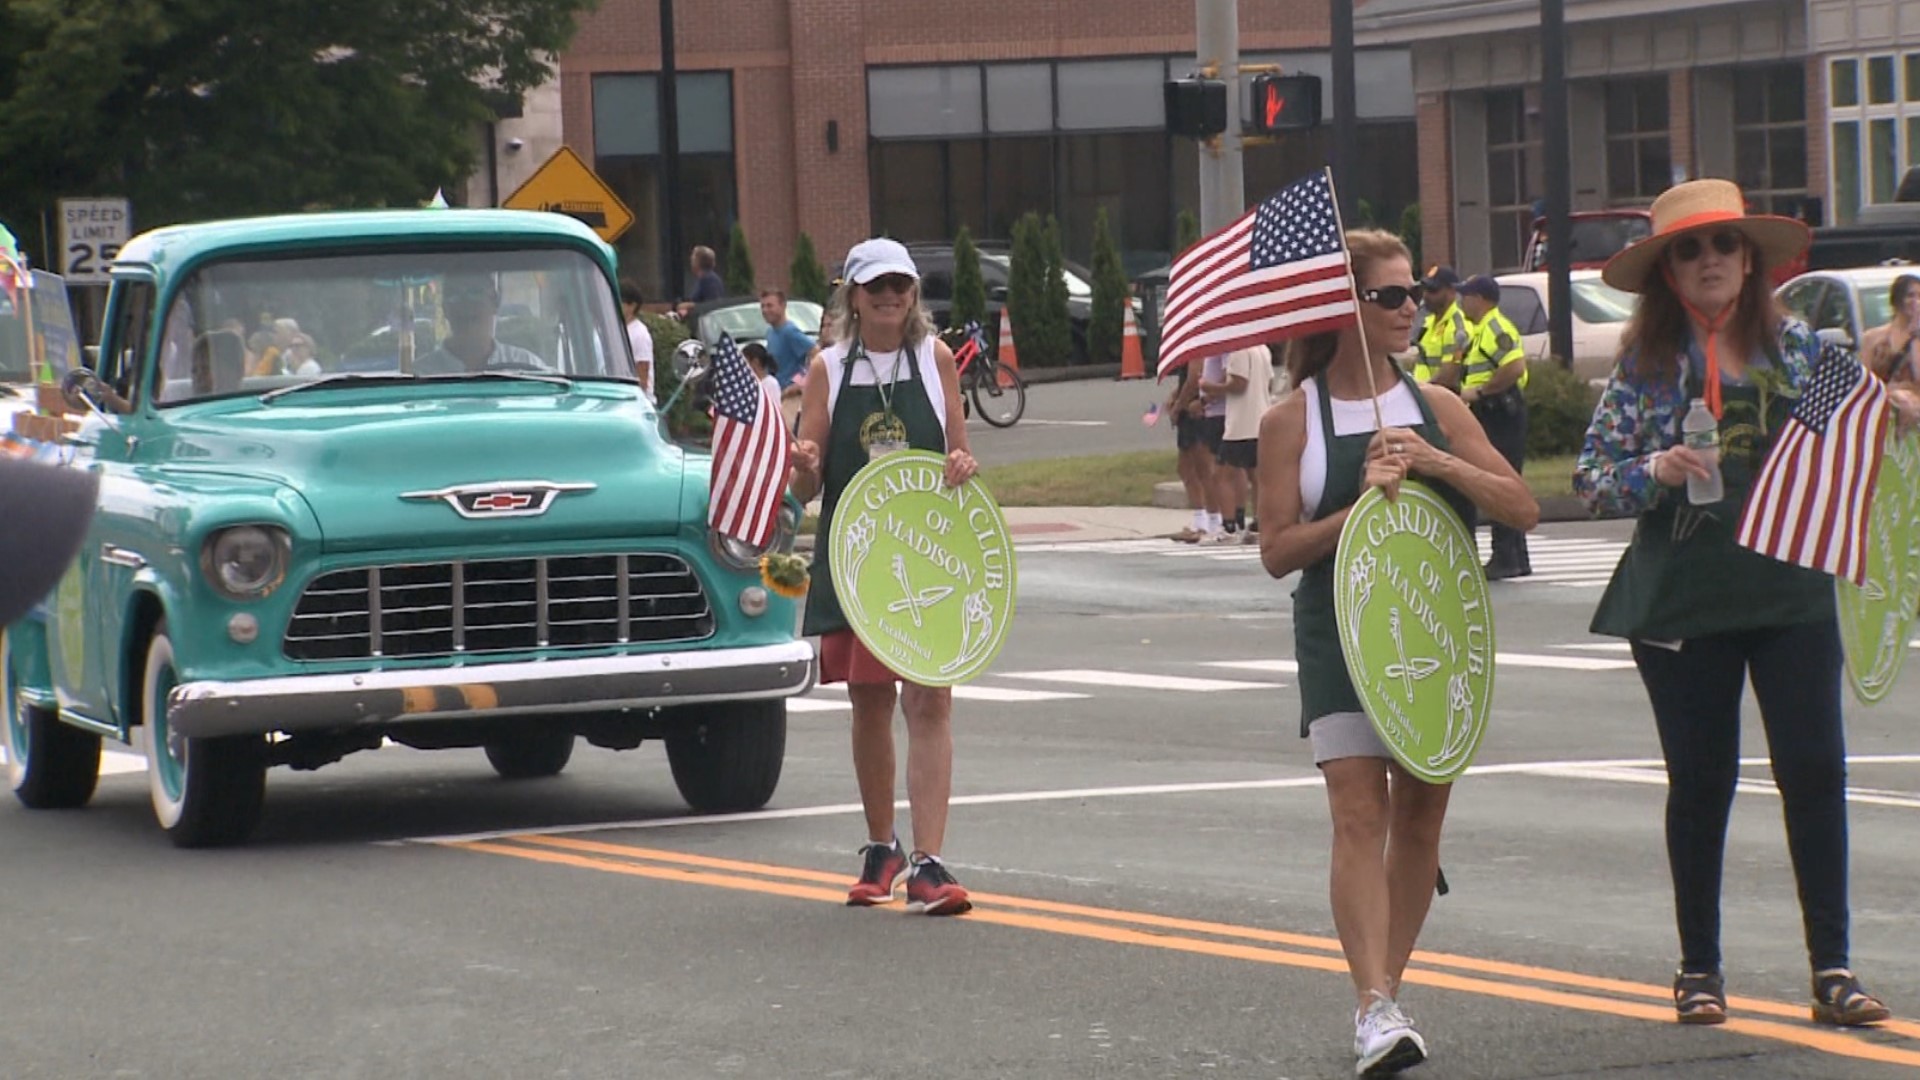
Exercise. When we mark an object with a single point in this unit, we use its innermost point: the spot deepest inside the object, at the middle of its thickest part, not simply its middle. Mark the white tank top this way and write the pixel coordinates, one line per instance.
(882, 366)
(1398, 407)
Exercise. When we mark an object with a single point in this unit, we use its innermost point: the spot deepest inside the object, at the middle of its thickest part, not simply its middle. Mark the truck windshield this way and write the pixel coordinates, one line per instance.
(246, 326)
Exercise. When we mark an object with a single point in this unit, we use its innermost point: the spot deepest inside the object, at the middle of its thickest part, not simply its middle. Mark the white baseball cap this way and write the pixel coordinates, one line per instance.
(879, 257)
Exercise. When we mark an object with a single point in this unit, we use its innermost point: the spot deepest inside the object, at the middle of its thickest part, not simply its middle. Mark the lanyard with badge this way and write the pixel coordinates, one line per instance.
(881, 433)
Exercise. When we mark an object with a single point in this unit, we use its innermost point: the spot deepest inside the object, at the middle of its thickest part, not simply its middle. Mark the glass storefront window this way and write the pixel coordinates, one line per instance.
(626, 139)
(1913, 76)
(1112, 95)
(922, 101)
(1019, 98)
(1886, 160)
(1770, 135)
(1846, 171)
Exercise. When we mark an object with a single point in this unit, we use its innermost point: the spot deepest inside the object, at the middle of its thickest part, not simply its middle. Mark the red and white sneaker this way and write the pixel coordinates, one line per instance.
(884, 868)
(931, 889)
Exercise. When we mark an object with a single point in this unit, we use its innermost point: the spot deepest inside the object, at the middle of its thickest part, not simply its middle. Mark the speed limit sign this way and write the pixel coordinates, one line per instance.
(91, 234)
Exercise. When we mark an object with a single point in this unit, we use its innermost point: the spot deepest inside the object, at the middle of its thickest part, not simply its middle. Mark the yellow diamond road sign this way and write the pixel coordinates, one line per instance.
(565, 185)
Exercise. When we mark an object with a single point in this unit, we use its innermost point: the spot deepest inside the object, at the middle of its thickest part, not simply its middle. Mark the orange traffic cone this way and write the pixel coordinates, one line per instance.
(1133, 361)
(1009, 357)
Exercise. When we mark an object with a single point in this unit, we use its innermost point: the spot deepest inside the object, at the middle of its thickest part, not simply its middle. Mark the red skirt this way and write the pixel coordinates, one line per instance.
(843, 659)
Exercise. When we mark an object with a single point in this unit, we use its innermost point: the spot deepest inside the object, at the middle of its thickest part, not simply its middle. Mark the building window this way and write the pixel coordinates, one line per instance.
(1880, 80)
(1770, 136)
(1913, 77)
(1514, 178)
(1882, 151)
(1639, 156)
(1845, 91)
(627, 155)
(1846, 170)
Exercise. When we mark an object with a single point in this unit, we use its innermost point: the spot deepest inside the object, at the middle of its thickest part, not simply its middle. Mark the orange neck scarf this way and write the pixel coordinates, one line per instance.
(1712, 327)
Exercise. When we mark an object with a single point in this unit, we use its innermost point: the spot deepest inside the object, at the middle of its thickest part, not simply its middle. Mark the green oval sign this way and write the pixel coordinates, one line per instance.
(1876, 618)
(1416, 626)
(924, 572)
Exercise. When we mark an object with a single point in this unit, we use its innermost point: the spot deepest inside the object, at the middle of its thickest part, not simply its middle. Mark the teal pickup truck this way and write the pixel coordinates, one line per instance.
(386, 476)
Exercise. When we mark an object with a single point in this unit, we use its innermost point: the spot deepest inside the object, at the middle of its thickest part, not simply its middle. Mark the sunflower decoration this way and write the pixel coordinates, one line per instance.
(784, 573)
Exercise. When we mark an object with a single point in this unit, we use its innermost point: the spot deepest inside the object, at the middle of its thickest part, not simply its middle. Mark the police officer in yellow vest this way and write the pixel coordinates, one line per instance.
(1443, 340)
(1496, 375)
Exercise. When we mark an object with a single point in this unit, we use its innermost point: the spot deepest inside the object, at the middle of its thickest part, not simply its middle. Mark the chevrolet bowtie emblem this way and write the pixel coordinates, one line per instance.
(500, 499)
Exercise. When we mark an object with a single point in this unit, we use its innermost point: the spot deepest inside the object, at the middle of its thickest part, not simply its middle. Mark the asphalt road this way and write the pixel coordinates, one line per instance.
(1144, 832)
(1093, 417)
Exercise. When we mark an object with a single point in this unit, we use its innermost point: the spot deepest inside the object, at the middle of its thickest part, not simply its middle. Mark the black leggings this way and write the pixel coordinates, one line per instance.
(1696, 702)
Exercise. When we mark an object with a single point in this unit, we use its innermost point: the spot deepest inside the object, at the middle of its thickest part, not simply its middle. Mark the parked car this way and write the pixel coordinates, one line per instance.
(1843, 305)
(287, 569)
(1600, 313)
(740, 316)
(1594, 237)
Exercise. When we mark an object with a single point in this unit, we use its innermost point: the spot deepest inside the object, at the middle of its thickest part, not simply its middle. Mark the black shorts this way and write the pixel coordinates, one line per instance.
(1238, 453)
(1212, 430)
(1186, 431)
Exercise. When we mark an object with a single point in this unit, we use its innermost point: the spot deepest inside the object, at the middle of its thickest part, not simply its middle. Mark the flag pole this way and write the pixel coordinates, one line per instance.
(1353, 291)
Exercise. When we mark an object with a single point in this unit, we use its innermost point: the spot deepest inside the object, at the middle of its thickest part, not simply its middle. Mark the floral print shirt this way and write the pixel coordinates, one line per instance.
(1639, 416)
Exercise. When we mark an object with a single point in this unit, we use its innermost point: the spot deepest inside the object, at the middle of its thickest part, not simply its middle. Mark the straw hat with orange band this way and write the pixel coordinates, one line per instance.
(1702, 209)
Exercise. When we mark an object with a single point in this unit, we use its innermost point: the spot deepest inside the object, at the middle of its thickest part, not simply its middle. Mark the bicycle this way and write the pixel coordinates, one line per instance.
(997, 393)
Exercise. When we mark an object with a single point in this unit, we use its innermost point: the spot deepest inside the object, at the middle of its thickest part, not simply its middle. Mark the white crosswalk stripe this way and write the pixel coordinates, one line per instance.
(1566, 561)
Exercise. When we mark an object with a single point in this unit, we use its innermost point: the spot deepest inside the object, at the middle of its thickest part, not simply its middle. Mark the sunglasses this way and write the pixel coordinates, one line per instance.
(1726, 242)
(893, 283)
(1394, 297)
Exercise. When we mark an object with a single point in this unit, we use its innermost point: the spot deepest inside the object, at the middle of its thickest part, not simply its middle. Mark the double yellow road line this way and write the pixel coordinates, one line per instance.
(1775, 1020)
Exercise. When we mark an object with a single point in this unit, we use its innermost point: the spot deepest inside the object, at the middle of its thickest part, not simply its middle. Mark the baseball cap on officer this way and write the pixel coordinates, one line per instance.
(1441, 277)
(877, 258)
(1482, 286)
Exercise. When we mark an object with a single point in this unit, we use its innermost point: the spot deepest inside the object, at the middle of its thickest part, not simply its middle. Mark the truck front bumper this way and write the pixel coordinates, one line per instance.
(209, 709)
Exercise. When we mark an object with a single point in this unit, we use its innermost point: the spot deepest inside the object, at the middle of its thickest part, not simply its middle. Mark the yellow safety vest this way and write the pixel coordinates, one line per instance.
(1495, 344)
(1444, 341)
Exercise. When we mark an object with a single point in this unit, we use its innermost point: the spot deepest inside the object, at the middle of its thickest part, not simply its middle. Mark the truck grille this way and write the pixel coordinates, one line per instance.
(498, 605)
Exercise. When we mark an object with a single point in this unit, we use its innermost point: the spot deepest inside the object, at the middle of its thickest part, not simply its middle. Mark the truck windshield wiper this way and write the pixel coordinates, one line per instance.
(494, 373)
(337, 379)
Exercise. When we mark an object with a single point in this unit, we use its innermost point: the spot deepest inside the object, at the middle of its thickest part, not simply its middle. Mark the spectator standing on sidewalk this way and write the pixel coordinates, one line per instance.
(1213, 431)
(707, 284)
(1319, 451)
(1195, 463)
(638, 336)
(1249, 379)
(887, 384)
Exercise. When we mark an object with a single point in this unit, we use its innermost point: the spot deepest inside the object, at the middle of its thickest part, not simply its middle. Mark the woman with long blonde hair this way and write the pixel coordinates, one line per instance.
(1320, 448)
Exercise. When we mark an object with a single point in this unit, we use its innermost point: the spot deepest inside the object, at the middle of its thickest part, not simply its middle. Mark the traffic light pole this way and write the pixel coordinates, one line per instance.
(1346, 119)
(1223, 185)
(1558, 177)
(670, 152)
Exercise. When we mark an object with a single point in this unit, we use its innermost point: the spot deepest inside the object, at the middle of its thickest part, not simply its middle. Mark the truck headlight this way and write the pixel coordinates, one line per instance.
(737, 554)
(245, 562)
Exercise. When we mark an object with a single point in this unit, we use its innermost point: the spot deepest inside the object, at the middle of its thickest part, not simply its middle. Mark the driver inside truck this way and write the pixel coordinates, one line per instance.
(471, 304)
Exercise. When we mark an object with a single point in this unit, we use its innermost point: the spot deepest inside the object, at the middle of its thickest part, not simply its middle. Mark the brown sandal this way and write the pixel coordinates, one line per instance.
(1700, 997)
(1840, 1001)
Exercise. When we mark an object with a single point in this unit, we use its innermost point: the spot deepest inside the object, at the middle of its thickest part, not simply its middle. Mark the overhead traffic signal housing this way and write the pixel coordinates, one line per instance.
(1196, 108)
(1285, 103)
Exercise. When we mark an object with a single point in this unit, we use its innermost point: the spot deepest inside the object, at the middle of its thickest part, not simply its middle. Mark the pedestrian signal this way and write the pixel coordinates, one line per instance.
(1285, 103)
(1196, 108)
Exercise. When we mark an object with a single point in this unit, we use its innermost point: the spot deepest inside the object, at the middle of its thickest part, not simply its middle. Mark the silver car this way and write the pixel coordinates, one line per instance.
(1842, 305)
(1600, 313)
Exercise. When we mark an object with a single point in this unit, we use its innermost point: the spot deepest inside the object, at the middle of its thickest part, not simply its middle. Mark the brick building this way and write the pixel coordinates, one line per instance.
(845, 118)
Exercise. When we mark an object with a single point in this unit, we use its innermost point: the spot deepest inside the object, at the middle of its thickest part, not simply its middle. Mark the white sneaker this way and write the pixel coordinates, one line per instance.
(1384, 1041)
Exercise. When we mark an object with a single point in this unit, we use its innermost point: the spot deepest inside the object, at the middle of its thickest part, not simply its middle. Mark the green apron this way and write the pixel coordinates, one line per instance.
(1324, 685)
(1683, 576)
(857, 410)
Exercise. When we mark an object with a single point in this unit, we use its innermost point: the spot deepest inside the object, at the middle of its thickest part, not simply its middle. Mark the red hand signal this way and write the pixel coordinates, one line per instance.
(1276, 104)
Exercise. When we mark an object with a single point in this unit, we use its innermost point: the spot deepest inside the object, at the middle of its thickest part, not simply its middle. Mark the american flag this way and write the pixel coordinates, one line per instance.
(1809, 504)
(749, 452)
(1279, 272)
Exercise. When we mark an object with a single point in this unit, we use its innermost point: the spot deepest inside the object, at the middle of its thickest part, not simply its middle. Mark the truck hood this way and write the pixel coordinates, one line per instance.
(390, 470)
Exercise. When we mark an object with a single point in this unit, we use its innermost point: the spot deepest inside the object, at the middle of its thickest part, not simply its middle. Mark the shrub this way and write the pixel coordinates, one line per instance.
(740, 277)
(685, 421)
(1186, 231)
(1410, 233)
(806, 278)
(969, 288)
(1559, 408)
(1026, 285)
(1056, 346)
(1105, 329)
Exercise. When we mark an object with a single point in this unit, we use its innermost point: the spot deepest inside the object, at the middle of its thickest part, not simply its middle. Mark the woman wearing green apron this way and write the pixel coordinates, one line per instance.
(1705, 616)
(886, 384)
(1320, 447)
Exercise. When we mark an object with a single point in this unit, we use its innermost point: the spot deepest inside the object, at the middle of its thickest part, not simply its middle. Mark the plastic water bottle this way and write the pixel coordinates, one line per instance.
(1702, 435)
